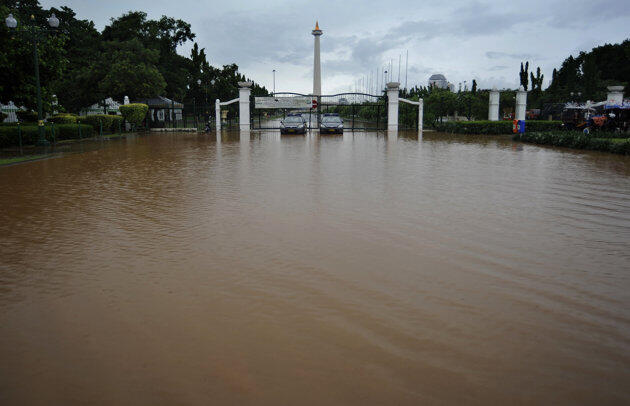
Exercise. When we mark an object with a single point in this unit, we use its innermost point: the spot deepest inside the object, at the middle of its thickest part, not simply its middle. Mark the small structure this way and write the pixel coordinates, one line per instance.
(108, 106)
(11, 111)
(162, 110)
(438, 80)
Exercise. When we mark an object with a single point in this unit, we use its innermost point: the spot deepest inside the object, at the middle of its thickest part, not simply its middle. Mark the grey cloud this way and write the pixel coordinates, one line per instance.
(502, 55)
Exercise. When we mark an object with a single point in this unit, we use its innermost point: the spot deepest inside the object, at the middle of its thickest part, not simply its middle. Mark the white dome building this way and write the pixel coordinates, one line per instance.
(438, 80)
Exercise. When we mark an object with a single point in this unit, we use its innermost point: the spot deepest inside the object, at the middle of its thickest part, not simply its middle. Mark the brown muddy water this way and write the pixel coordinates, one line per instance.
(179, 269)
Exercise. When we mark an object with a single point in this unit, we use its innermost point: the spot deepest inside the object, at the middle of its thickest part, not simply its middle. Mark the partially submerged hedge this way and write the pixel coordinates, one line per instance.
(134, 113)
(63, 118)
(24, 116)
(9, 134)
(494, 127)
(573, 139)
(110, 122)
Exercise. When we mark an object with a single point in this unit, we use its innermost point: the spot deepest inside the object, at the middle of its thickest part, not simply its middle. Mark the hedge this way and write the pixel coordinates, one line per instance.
(572, 139)
(494, 127)
(63, 118)
(134, 112)
(110, 122)
(26, 116)
(9, 134)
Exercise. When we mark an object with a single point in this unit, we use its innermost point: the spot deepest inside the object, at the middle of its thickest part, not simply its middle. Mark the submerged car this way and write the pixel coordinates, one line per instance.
(293, 124)
(331, 124)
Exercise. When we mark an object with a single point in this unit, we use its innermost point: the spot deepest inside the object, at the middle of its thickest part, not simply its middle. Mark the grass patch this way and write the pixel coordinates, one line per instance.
(18, 159)
(578, 140)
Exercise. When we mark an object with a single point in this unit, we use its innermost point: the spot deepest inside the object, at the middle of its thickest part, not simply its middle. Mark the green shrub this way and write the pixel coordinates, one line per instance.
(578, 140)
(3, 116)
(63, 118)
(26, 116)
(117, 123)
(110, 122)
(134, 113)
(9, 134)
(494, 127)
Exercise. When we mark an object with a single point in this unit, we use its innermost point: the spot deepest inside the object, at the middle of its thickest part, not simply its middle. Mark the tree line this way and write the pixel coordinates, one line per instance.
(132, 56)
(581, 78)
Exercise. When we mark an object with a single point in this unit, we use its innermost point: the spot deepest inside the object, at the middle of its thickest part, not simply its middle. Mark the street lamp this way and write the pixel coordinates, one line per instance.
(274, 83)
(34, 34)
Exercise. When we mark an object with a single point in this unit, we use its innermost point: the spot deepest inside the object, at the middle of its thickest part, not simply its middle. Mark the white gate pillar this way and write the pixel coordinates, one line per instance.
(521, 103)
(615, 95)
(420, 114)
(392, 105)
(493, 108)
(217, 113)
(244, 92)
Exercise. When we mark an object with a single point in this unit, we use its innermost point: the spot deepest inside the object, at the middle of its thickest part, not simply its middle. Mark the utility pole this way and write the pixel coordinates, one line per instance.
(406, 67)
(274, 83)
(399, 68)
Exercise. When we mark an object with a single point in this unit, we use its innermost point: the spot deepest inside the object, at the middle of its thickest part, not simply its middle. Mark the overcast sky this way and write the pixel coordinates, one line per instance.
(464, 40)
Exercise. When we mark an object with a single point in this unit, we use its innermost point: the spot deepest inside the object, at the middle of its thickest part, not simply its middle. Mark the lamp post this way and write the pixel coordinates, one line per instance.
(274, 83)
(34, 33)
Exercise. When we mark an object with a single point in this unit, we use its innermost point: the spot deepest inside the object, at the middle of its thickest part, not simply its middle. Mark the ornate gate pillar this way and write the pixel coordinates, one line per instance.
(521, 103)
(244, 92)
(392, 105)
(493, 107)
(217, 115)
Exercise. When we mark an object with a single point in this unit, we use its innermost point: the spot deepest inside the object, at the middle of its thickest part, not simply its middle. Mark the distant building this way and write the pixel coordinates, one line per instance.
(162, 110)
(438, 80)
(107, 106)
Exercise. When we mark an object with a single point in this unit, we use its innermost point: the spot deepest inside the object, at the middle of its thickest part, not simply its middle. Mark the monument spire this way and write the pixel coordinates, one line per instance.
(317, 69)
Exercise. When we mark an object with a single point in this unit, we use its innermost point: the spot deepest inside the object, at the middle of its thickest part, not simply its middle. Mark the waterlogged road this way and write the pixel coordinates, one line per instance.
(178, 269)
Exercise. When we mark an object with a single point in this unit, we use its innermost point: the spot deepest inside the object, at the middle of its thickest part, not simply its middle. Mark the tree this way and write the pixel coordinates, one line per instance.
(132, 71)
(17, 69)
(524, 75)
(441, 102)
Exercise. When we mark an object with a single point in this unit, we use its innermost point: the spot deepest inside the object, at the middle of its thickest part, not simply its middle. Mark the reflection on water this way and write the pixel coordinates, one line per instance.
(354, 269)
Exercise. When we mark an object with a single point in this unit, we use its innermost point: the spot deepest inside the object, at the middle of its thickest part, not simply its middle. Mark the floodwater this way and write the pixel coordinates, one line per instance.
(178, 269)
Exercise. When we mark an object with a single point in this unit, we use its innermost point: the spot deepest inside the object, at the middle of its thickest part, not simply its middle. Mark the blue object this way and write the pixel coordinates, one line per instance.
(520, 126)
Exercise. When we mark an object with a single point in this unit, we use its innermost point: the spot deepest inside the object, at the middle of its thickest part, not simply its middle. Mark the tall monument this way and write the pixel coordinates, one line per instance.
(317, 68)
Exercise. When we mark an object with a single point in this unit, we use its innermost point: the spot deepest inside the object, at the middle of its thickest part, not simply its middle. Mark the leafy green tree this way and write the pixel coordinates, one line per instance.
(523, 75)
(132, 71)
(17, 68)
(440, 103)
(75, 89)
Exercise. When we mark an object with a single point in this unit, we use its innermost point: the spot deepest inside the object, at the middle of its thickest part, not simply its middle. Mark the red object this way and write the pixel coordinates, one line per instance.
(514, 126)
(314, 103)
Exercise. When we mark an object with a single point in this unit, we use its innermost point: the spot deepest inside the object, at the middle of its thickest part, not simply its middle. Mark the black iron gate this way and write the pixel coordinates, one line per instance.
(359, 111)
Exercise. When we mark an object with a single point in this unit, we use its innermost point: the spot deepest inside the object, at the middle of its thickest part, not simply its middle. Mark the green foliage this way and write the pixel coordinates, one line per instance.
(17, 68)
(9, 135)
(523, 75)
(134, 113)
(133, 56)
(130, 70)
(63, 118)
(594, 141)
(26, 116)
(3, 116)
(494, 127)
(110, 122)
(586, 76)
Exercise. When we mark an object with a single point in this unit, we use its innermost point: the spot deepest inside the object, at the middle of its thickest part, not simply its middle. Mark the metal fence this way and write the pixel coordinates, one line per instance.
(360, 111)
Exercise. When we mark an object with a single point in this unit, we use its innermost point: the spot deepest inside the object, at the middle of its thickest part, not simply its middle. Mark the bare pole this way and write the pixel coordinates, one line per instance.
(399, 56)
(406, 67)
